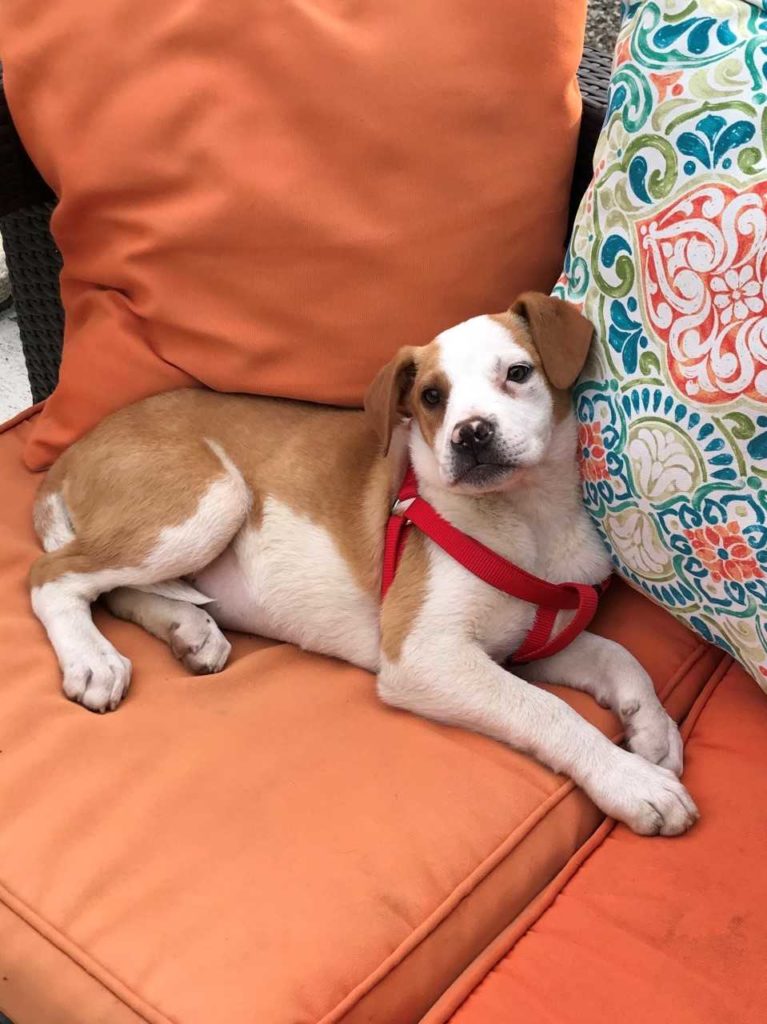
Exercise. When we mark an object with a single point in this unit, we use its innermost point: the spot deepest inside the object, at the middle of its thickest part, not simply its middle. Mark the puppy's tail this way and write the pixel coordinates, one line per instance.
(51, 520)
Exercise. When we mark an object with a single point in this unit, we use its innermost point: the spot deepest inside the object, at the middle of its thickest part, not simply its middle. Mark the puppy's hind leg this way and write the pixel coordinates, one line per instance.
(94, 673)
(120, 541)
(192, 635)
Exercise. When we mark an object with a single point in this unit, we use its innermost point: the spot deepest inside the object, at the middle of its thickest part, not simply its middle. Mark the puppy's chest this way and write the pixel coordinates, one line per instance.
(551, 550)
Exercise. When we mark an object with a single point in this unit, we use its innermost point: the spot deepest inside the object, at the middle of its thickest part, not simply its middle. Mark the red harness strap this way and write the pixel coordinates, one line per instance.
(495, 570)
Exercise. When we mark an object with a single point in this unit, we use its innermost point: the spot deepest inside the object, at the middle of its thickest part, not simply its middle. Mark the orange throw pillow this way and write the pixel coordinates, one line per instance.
(271, 198)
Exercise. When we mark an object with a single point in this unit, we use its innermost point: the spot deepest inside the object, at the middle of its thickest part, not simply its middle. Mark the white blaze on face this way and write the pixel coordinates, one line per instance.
(476, 356)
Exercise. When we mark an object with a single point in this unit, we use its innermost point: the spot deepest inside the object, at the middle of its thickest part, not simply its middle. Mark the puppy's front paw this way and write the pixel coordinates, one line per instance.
(98, 676)
(649, 799)
(655, 737)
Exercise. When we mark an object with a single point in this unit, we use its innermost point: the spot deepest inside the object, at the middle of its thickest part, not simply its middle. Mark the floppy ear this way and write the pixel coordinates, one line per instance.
(559, 332)
(386, 398)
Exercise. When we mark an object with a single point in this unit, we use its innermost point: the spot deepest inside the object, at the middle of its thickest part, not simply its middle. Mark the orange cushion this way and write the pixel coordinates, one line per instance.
(660, 930)
(271, 844)
(274, 198)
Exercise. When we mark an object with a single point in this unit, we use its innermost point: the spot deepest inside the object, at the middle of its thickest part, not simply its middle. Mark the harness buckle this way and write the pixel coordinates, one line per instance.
(401, 505)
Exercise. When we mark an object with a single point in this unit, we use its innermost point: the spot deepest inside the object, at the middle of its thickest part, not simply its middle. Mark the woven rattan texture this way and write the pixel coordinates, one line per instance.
(33, 265)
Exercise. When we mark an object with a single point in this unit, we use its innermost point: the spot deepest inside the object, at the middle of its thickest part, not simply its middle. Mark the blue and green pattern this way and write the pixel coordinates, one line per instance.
(669, 260)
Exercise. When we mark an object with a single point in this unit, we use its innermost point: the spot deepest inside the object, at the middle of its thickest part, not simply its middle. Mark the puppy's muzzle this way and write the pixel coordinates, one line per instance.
(478, 454)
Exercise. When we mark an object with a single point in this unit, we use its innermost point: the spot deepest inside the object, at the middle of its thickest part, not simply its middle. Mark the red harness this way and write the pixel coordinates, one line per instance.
(495, 570)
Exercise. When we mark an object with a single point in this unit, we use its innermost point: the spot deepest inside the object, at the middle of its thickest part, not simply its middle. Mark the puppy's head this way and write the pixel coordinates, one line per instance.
(484, 397)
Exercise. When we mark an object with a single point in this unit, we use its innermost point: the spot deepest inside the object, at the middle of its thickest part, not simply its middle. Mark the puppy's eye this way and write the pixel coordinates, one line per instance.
(518, 373)
(431, 396)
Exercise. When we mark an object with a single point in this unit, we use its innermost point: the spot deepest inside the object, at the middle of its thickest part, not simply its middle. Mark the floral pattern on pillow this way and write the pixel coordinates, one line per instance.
(668, 259)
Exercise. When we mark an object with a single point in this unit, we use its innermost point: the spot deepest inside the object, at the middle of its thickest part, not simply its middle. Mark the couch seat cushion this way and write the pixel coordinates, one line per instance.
(662, 929)
(271, 844)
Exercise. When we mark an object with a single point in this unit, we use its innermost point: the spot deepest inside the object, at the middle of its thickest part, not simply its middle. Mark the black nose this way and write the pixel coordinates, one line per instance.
(472, 434)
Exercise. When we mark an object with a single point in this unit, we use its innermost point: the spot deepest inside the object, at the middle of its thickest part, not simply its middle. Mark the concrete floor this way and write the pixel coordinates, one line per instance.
(14, 386)
(601, 29)
(602, 24)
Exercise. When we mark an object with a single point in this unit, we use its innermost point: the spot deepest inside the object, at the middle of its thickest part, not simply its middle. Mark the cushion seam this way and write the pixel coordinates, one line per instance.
(21, 417)
(596, 838)
(59, 940)
(492, 861)
(723, 669)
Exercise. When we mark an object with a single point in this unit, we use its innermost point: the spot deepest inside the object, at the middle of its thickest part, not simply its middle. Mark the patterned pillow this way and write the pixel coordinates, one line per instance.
(669, 260)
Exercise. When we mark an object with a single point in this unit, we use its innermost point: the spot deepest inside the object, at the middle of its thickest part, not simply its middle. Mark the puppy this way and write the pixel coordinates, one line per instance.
(193, 512)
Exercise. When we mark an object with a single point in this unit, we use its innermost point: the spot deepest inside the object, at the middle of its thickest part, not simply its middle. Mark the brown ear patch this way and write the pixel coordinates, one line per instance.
(561, 335)
(386, 400)
(430, 376)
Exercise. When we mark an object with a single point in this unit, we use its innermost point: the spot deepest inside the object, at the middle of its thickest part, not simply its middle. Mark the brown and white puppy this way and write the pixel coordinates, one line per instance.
(272, 515)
